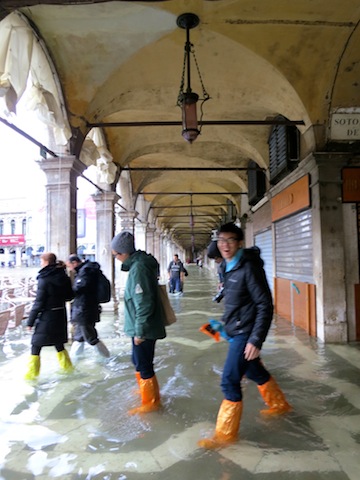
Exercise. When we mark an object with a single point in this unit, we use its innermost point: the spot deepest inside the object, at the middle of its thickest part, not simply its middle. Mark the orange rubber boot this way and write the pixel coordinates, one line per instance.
(150, 396)
(227, 426)
(274, 398)
(138, 378)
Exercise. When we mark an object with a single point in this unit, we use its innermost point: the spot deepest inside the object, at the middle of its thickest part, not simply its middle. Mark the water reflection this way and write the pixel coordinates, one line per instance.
(77, 427)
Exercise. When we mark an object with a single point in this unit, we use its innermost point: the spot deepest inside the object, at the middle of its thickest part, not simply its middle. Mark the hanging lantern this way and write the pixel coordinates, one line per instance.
(187, 99)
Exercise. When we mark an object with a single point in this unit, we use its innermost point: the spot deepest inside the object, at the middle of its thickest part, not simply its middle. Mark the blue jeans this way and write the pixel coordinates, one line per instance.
(143, 358)
(236, 367)
(175, 285)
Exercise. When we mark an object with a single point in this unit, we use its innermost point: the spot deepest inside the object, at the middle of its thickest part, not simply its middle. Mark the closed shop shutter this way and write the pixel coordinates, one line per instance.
(293, 247)
(263, 240)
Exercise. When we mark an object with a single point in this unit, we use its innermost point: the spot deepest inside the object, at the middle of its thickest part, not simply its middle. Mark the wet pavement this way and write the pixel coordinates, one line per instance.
(76, 427)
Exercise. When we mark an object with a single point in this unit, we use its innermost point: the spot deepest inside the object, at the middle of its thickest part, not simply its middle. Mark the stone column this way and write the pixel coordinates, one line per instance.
(105, 202)
(140, 236)
(127, 222)
(150, 240)
(18, 256)
(328, 249)
(61, 215)
(161, 256)
(157, 242)
(166, 253)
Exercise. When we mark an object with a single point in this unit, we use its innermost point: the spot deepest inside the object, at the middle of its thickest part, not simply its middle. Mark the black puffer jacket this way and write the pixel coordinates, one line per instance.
(248, 301)
(48, 312)
(85, 309)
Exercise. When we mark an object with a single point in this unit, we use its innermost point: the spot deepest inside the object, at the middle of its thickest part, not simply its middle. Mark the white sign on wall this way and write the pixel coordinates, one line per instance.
(345, 126)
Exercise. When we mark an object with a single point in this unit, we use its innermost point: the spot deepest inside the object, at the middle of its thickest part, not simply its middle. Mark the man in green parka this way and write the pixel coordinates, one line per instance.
(144, 317)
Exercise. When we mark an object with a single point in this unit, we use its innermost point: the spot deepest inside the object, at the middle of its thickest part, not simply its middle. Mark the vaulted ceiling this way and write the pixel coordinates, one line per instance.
(122, 62)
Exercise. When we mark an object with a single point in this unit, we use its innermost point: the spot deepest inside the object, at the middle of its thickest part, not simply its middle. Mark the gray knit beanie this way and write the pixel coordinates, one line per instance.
(123, 243)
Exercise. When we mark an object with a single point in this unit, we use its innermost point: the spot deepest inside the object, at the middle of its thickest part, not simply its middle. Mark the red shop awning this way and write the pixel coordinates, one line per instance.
(11, 240)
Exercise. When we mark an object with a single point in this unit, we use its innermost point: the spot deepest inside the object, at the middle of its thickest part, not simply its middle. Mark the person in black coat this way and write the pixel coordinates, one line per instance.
(85, 309)
(247, 317)
(48, 314)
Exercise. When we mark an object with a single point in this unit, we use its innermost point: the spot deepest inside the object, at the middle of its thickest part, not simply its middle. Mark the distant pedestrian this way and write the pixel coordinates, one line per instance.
(144, 315)
(85, 309)
(48, 314)
(176, 274)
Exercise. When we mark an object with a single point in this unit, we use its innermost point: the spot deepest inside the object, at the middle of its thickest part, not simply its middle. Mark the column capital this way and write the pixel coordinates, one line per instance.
(151, 228)
(105, 197)
(127, 219)
(63, 162)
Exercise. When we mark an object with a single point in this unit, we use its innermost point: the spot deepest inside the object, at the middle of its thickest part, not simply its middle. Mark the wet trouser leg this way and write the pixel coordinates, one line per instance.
(35, 349)
(236, 367)
(86, 333)
(143, 358)
(178, 285)
(172, 284)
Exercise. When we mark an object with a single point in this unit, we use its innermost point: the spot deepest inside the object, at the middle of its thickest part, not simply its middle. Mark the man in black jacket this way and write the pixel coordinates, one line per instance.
(247, 318)
(85, 309)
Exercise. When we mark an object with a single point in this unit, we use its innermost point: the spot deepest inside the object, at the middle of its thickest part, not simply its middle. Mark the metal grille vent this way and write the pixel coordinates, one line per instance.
(256, 183)
(283, 151)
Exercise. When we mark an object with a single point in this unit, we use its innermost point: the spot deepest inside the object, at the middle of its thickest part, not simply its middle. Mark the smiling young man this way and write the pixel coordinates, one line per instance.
(247, 318)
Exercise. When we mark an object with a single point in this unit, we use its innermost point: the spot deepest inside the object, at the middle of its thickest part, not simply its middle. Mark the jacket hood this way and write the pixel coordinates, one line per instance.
(139, 256)
(54, 273)
(89, 266)
(252, 254)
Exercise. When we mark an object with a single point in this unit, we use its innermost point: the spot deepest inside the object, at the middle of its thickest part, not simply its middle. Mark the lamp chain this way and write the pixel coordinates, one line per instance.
(205, 94)
(179, 99)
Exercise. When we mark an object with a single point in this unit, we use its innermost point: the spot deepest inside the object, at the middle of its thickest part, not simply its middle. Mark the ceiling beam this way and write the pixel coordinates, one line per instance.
(209, 219)
(191, 193)
(194, 206)
(189, 215)
(201, 122)
(16, 129)
(181, 169)
(189, 232)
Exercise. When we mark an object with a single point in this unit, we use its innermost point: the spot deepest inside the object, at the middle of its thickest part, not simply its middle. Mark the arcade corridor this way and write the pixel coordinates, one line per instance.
(77, 427)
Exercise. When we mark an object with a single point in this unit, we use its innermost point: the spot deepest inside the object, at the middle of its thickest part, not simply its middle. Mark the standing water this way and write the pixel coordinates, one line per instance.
(77, 426)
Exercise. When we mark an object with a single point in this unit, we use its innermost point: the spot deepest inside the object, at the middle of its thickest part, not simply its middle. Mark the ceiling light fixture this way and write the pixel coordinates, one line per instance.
(187, 99)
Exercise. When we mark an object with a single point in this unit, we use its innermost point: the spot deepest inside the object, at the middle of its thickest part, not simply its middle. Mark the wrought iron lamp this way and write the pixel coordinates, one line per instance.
(187, 99)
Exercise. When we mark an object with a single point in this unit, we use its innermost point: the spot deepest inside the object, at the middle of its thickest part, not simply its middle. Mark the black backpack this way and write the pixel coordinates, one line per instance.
(103, 288)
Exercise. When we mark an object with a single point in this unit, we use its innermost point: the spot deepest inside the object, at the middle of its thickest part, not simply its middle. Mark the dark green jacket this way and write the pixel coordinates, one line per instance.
(144, 316)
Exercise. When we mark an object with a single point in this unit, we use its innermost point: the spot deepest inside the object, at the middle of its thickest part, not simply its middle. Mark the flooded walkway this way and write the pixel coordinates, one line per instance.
(76, 427)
